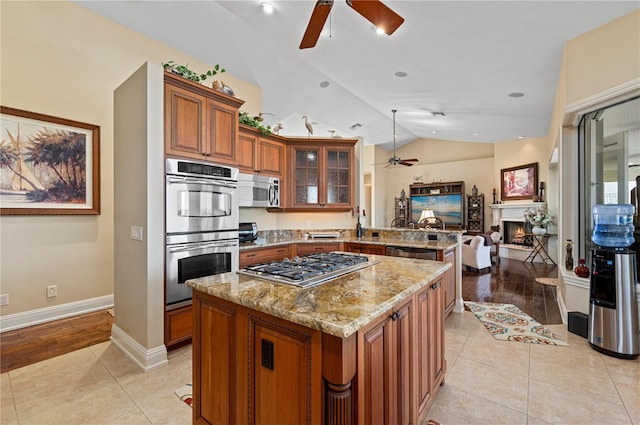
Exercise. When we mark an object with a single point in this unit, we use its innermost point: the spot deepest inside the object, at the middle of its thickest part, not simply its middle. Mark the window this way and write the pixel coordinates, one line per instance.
(609, 163)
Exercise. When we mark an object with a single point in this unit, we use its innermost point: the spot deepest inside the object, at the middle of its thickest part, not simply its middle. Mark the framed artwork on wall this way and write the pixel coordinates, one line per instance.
(48, 165)
(519, 182)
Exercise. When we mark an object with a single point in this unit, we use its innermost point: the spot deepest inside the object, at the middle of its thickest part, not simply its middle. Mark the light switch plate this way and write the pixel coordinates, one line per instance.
(136, 233)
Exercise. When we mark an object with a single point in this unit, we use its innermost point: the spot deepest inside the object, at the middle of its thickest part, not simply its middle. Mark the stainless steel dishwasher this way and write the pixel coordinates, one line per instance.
(411, 252)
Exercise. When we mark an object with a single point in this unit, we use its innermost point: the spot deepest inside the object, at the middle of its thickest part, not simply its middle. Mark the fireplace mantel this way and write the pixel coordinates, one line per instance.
(512, 212)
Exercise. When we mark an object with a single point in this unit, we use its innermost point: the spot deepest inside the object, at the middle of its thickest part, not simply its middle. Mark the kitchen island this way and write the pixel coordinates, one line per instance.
(363, 347)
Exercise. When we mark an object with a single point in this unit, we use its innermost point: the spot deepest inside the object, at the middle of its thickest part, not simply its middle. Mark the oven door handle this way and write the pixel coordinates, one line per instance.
(214, 182)
(203, 245)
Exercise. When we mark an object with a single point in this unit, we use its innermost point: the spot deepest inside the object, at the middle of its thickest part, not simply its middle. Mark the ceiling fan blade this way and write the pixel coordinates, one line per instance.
(408, 164)
(411, 160)
(378, 14)
(316, 23)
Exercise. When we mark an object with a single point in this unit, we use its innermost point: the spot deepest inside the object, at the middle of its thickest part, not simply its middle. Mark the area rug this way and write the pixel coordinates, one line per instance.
(508, 323)
(185, 393)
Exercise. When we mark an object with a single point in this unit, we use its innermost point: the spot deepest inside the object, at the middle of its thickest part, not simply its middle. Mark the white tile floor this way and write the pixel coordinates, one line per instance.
(488, 382)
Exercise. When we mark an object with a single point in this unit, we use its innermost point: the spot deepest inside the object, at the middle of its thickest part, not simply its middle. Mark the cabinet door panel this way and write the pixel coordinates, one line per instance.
(184, 125)
(403, 343)
(221, 137)
(271, 158)
(247, 152)
(282, 375)
(376, 381)
(423, 369)
(216, 402)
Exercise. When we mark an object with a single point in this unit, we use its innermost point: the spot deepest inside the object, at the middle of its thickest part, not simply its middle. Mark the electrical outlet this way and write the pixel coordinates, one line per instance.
(4, 299)
(52, 291)
(136, 233)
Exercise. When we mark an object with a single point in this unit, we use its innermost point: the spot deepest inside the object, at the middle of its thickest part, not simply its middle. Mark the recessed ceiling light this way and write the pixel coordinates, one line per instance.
(476, 134)
(520, 137)
(324, 84)
(267, 7)
(434, 131)
(400, 74)
(516, 94)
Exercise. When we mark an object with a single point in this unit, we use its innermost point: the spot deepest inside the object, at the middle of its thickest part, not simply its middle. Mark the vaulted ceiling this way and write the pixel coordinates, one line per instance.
(462, 59)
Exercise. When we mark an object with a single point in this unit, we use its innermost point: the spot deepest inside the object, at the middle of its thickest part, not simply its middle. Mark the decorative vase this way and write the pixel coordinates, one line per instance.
(568, 261)
(537, 230)
(581, 270)
(474, 190)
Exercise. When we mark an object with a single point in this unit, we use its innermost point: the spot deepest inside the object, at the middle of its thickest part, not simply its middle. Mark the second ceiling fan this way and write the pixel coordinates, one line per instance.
(396, 160)
(373, 10)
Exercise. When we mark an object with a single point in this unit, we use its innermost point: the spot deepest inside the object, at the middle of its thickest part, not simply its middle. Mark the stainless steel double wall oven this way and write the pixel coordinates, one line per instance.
(201, 224)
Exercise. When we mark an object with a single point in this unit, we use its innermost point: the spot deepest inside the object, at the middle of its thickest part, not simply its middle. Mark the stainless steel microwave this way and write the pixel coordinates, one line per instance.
(258, 191)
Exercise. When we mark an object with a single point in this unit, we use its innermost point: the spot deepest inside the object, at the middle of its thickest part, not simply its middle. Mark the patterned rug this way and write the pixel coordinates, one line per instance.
(185, 393)
(508, 323)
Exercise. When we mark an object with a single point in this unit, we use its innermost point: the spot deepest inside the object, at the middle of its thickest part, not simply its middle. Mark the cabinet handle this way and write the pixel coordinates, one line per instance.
(250, 255)
(395, 316)
(435, 285)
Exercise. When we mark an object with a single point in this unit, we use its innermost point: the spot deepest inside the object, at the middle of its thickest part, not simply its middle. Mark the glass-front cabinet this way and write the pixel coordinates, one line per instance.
(322, 176)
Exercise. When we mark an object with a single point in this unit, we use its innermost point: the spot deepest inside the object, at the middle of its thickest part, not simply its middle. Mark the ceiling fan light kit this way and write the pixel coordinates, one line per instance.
(374, 11)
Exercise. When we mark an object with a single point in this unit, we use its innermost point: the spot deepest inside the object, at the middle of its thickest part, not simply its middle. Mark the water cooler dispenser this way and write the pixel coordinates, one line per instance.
(613, 308)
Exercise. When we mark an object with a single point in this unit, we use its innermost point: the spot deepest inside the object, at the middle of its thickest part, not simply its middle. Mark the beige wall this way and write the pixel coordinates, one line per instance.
(520, 152)
(62, 60)
(603, 58)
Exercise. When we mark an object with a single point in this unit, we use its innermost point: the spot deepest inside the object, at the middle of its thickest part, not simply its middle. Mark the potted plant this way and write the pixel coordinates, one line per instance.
(245, 119)
(185, 72)
(538, 217)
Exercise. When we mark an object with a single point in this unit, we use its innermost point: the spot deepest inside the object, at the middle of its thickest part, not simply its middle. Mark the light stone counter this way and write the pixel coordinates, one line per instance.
(339, 307)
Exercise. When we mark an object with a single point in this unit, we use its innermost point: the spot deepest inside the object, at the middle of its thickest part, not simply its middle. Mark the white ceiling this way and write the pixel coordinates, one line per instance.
(462, 58)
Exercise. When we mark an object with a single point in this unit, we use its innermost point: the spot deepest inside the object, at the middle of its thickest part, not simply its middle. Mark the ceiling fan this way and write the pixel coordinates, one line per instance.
(396, 160)
(373, 10)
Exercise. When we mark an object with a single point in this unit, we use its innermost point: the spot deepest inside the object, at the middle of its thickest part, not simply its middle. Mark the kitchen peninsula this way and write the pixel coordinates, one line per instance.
(369, 344)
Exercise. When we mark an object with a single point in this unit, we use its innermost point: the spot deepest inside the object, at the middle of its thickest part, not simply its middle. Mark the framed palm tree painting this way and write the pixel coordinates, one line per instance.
(48, 165)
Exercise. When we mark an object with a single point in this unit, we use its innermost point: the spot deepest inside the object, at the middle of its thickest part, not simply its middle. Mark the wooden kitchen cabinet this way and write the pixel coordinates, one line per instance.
(314, 248)
(365, 248)
(319, 175)
(429, 355)
(252, 256)
(449, 280)
(259, 154)
(384, 372)
(253, 368)
(178, 325)
(200, 123)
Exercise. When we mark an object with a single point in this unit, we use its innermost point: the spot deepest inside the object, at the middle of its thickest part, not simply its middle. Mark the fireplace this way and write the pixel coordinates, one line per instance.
(515, 233)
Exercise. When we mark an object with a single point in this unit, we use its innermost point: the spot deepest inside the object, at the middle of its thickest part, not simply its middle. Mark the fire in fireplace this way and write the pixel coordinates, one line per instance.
(516, 233)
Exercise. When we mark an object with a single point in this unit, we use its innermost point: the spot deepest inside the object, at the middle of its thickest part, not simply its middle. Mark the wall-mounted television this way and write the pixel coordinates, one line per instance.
(447, 207)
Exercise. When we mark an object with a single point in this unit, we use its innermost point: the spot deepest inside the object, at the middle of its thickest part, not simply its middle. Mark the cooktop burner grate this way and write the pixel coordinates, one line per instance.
(309, 270)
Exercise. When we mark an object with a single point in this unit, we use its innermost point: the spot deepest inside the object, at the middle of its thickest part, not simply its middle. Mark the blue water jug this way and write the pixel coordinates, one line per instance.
(613, 225)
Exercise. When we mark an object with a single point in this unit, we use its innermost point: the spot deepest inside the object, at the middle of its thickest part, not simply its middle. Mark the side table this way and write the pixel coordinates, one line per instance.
(540, 248)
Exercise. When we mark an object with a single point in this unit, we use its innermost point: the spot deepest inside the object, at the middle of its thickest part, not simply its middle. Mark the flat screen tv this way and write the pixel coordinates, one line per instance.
(447, 207)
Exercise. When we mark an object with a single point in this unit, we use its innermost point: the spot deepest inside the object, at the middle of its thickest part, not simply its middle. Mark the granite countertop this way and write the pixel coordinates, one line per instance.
(437, 244)
(339, 307)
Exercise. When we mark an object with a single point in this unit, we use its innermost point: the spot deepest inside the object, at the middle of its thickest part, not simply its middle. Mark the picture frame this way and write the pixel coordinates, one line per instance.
(48, 165)
(519, 182)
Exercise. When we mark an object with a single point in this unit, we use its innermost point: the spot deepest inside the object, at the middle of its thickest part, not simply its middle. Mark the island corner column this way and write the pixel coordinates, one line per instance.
(459, 307)
(339, 359)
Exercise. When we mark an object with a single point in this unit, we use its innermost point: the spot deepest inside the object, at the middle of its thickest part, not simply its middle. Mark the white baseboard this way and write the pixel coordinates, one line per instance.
(145, 359)
(56, 312)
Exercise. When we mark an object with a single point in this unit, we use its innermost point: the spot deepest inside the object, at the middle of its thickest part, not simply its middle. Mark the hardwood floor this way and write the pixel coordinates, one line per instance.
(513, 282)
(23, 347)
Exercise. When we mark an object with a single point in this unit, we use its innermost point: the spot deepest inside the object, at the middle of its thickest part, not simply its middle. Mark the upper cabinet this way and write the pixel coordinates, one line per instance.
(320, 174)
(200, 122)
(259, 154)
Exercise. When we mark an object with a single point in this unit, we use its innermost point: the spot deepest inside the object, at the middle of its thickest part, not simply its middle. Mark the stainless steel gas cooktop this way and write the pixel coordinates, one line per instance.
(309, 270)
